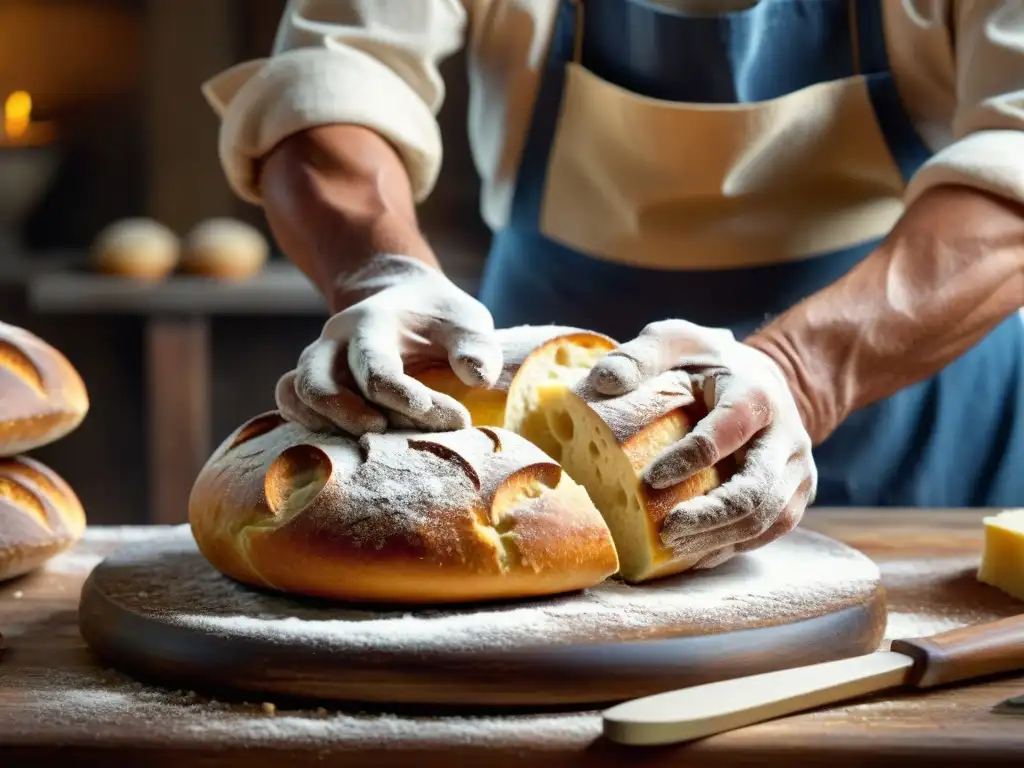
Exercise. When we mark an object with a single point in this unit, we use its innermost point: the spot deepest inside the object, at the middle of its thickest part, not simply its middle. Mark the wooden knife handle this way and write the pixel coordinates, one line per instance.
(963, 654)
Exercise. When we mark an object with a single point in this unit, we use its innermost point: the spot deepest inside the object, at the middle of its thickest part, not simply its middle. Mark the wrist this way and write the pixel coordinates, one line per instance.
(815, 399)
(376, 273)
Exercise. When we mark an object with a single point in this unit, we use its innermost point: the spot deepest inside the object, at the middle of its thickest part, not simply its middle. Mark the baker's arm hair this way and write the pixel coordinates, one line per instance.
(953, 268)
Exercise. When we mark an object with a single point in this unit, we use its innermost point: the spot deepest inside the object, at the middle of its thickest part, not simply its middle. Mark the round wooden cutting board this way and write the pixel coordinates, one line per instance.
(159, 611)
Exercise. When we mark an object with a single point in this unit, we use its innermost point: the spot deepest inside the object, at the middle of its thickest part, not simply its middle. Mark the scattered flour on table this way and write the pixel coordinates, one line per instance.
(102, 703)
(905, 625)
(940, 578)
(778, 583)
(101, 541)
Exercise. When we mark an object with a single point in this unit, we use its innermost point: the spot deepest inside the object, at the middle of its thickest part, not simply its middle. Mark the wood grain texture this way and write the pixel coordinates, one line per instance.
(969, 652)
(611, 643)
(59, 704)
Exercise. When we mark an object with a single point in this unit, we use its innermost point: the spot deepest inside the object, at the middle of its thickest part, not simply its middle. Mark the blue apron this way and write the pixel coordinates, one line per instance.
(955, 440)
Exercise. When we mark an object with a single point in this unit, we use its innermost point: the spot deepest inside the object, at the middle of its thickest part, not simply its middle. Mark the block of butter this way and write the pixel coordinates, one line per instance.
(1002, 559)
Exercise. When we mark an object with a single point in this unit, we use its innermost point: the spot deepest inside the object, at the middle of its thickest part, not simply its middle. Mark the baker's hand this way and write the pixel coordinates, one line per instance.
(399, 312)
(751, 414)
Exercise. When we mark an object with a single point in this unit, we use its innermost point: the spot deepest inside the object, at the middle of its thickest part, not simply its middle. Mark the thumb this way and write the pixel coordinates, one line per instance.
(660, 347)
(625, 368)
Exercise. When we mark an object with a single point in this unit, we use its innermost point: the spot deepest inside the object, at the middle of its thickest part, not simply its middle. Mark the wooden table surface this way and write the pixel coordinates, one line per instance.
(58, 704)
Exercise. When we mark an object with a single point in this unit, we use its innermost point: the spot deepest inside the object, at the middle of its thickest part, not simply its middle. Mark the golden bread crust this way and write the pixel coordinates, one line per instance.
(40, 516)
(43, 397)
(396, 518)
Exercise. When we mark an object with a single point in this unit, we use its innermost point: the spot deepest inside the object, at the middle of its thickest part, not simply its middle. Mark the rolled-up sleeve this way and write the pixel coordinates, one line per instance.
(987, 131)
(362, 62)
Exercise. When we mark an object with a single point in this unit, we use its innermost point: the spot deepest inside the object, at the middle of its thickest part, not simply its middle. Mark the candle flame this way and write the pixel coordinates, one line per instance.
(17, 114)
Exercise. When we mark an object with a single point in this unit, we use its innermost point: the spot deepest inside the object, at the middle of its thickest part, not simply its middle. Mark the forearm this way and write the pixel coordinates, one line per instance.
(336, 195)
(949, 273)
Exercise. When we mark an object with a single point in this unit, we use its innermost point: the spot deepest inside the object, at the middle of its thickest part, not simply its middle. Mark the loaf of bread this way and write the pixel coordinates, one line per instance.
(225, 249)
(138, 248)
(40, 516)
(543, 495)
(42, 397)
(399, 518)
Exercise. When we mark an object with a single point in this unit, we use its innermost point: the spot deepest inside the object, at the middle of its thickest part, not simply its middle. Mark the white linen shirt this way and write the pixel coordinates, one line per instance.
(958, 65)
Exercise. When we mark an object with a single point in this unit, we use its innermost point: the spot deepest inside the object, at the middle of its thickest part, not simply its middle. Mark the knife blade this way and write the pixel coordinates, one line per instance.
(703, 710)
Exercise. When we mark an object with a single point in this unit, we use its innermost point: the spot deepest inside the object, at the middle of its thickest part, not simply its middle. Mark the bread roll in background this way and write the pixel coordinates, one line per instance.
(138, 248)
(225, 249)
(401, 518)
(42, 397)
(40, 516)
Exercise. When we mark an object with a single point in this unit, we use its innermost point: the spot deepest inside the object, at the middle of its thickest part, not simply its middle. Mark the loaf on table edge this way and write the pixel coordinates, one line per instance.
(400, 518)
(42, 397)
(40, 516)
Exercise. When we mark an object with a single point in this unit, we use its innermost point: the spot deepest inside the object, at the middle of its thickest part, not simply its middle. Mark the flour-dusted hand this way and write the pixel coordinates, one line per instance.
(398, 312)
(751, 415)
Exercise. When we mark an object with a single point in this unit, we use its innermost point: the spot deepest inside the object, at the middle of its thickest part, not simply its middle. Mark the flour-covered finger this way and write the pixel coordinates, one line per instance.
(659, 347)
(293, 409)
(475, 357)
(715, 559)
(323, 384)
(375, 359)
(784, 524)
(741, 509)
(733, 422)
(445, 415)
(316, 369)
(710, 521)
(624, 369)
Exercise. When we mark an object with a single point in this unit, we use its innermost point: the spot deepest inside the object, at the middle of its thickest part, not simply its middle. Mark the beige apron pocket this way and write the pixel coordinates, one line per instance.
(674, 185)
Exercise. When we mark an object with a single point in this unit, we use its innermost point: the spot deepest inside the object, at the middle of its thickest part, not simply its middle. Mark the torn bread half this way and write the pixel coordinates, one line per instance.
(605, 443)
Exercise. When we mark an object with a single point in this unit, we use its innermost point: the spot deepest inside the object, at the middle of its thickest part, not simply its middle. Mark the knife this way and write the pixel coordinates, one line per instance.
(926, 662)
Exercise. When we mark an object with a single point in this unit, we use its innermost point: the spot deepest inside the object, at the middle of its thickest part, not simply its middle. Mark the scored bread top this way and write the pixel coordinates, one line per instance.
(42, 397)
(40, 515)
(401, 517)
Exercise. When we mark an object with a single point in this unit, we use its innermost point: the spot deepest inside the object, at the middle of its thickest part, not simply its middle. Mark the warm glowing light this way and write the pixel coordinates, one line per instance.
(17, 114)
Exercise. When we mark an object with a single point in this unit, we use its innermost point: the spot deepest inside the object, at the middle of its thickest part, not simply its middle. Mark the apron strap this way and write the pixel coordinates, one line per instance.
(577, 46)
(867, 37)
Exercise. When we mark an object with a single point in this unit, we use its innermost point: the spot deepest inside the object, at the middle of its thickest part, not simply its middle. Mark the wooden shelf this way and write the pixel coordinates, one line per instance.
(281, 289)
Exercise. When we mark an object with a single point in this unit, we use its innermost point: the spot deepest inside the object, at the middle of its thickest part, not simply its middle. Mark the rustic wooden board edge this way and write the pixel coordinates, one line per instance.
(559, 675)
